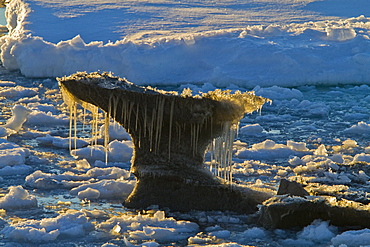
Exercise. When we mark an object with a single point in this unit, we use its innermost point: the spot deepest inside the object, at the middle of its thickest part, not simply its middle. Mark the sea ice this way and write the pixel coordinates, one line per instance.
(19, 116)
(157, 227)
(12, 154)
(72, 224)
(361, 128)
(116, 132)
(105, 189)
(62, 142)
(39, 118)
(118, 151)
(18, 92)
(18, 198)
(352, 238)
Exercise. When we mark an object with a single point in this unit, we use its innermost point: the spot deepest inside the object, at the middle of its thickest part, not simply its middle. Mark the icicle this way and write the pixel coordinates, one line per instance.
(159, 122)
(170, 128)
(137, 116)
(221, 152)
(84, 120)
(106, 136)
(75, 126)
(70, 106)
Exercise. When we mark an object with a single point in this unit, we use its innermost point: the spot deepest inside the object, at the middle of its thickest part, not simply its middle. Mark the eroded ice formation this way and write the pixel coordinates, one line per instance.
(235, 104)
(170, 134)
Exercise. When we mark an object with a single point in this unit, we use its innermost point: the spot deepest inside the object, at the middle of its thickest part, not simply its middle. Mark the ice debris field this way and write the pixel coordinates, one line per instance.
(311, 58)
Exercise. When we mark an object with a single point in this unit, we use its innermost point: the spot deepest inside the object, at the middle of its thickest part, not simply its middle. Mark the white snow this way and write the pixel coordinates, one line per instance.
(305, 47)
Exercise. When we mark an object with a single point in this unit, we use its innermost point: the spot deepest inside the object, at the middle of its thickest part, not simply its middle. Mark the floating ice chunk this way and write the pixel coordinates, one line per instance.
(90, 153)
(338, 158)
(118, 151)
(18, 198)
(7, 83)
(41, 180)
(116, 132)
(15, 170)
(321, 151)
(349, 143)
(352, 238)
(252, 129)
(83, 164)
(267, 144)
(38, 118)
(255, 233)
(66, 180)
(360, 128)
(297, 146)
(267, 149)
(108, 173)
(362, 157)
(158, 233)
(221, 234)
(61, 142)
(278, 93)
(72, 224)
(108, 189)
(295, 161)
(318, 231)
(12, 154)
(37, 106)
(113, 245)
(340, 34)
(65, 143)
(18, 92)
(19, 116)
(89, 194)
(147, 227)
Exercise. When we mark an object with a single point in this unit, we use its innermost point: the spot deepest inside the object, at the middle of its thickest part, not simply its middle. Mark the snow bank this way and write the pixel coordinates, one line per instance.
(72, 224)
(313, 52)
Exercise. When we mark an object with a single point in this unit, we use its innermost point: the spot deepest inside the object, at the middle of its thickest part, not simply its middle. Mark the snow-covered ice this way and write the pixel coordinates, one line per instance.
(265, 43)
(311, 57)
